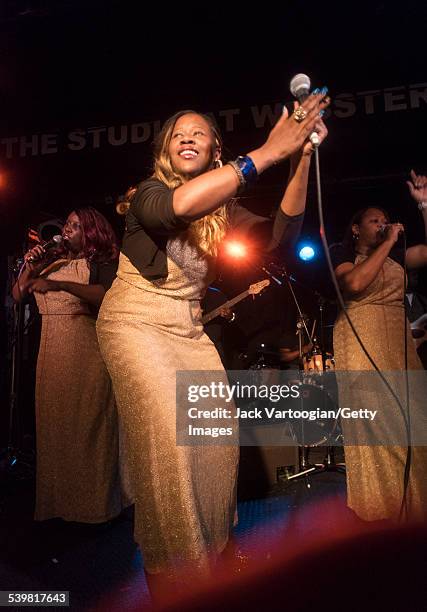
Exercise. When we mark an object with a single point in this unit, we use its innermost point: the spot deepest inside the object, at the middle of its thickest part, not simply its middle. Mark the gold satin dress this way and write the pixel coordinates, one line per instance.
(375, 473)
(78, 475)
(185, 496)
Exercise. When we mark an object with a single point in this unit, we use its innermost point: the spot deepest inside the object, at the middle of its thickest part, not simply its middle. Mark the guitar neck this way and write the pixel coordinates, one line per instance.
(214, 313)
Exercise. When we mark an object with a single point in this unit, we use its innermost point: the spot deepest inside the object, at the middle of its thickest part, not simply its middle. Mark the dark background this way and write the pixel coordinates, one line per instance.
(70, 64)
(74, 64)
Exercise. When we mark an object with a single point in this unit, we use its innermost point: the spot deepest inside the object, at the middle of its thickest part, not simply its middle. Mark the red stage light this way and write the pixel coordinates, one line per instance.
(235, 249)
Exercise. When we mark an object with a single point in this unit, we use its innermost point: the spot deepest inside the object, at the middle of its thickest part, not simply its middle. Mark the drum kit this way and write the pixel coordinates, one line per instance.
(316, 379)
(318, 390)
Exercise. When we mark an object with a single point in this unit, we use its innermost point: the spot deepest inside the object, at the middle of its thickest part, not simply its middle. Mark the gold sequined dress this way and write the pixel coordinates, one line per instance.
(375, 473)
(147, 330)
(78, 476)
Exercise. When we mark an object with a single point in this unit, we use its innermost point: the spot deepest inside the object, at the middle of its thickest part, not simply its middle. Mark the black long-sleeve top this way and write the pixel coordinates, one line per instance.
(151, 221)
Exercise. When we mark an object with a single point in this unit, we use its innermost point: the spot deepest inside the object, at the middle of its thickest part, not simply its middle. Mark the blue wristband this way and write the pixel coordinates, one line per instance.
(245, 170)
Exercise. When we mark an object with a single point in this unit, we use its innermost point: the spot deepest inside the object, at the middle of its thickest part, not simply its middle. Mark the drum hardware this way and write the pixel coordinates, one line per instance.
(266, 357)
(321, 362)
(323, 431)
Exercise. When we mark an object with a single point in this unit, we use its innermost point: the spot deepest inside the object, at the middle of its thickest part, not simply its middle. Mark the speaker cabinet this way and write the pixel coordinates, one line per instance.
(261, 467)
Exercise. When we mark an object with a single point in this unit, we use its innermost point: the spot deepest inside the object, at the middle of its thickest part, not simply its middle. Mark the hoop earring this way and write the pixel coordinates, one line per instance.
(355, 236)
(218, 163)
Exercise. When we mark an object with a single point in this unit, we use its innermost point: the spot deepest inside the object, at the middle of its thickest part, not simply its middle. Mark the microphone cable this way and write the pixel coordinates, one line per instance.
(359, 340)
(407, 469)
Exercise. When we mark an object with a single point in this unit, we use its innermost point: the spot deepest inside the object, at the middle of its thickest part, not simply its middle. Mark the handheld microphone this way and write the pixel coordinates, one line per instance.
(55, 241)
(300, 88)
(384, 227)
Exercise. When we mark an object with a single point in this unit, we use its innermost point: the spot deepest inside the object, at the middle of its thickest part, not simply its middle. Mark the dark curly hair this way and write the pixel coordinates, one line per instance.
(99, 239)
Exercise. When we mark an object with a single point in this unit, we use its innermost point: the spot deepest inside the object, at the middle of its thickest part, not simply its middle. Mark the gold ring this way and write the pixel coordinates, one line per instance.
(299, 114)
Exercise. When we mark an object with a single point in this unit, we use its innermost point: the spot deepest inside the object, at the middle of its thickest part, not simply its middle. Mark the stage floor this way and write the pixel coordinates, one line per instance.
(94, 561)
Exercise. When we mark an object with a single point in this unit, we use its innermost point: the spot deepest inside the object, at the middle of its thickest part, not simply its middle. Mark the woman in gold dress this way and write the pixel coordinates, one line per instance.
(149, 324)
(368, 267)
(78, 475)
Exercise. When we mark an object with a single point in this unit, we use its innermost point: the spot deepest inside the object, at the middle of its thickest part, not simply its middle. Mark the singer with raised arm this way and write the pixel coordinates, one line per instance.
(78, 472)
(185, 496)
(369, 269)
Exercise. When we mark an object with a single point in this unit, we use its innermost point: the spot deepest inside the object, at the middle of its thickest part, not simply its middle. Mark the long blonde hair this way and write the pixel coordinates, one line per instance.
(208, 231)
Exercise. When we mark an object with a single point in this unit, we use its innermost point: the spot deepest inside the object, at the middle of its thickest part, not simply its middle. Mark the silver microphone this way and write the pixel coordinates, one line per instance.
(300, 88)
(384, 227)
(55, 241)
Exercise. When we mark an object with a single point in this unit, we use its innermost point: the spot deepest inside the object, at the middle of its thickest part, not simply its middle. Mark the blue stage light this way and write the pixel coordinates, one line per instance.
(306, 252)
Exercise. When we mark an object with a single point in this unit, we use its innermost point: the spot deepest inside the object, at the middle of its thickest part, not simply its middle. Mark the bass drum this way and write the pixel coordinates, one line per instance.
(316, 430)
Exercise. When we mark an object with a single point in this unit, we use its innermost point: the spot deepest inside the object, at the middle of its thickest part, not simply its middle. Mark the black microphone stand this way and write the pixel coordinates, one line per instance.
(14, 462)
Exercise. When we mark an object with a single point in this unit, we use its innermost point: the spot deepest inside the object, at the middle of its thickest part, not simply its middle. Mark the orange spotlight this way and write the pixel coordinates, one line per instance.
(235, 249)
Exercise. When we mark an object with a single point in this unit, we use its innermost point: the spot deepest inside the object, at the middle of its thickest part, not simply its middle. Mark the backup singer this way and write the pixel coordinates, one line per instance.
(149, 324)
(368, 267)
(78, 477)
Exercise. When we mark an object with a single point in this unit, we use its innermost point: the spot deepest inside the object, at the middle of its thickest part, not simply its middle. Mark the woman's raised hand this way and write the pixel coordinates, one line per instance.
(418, 187)
(292, 132)
(392, 232)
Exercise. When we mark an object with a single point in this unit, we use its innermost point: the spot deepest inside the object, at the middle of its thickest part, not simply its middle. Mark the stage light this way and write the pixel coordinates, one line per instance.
(235, 249)
(306, 252)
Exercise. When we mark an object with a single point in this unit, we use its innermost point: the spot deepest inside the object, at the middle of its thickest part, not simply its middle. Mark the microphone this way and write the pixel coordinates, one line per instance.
(300, 88)
(55, 241)
(384, 227)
